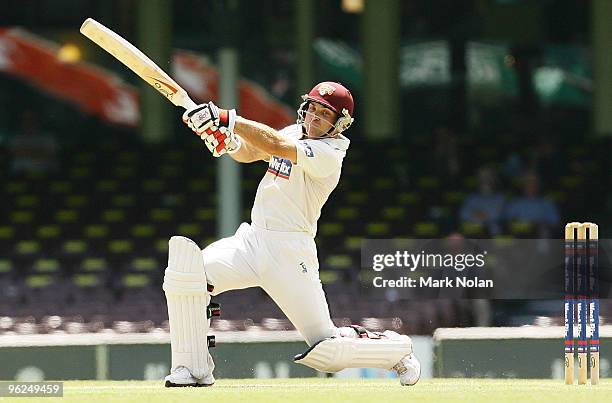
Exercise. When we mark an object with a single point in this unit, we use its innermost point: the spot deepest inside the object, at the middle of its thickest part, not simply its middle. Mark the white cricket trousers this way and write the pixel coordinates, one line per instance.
(283, 264)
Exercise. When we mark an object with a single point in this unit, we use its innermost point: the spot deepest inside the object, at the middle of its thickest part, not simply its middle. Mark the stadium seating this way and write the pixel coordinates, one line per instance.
(90, 241)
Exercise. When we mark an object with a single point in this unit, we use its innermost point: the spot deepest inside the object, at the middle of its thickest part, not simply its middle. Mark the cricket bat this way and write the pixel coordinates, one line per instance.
(137, 61)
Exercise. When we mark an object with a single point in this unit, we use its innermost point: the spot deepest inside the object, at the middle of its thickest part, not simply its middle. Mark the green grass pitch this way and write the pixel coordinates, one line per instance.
(321, 390)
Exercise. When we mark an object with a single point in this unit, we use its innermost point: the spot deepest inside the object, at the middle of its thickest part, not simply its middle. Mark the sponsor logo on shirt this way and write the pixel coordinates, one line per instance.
(280, 167)
(308, 149)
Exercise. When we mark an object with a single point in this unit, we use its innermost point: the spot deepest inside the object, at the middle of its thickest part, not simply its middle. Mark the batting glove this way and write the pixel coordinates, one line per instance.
(215, 127)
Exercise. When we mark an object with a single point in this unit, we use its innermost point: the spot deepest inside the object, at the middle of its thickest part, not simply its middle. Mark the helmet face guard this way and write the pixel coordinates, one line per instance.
(333, 96)
(343, 122)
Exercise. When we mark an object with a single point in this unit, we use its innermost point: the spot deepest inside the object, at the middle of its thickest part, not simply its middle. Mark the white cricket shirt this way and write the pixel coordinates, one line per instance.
(290, 196)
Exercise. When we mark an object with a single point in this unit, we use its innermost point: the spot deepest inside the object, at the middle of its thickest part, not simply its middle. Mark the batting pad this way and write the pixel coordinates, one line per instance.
(336, 353)
(187, 297)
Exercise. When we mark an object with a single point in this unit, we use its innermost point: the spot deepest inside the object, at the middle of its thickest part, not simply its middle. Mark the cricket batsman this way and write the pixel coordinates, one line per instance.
(276, 251)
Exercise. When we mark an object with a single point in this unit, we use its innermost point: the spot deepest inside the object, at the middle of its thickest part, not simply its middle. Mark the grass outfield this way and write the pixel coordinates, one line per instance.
(337, 390)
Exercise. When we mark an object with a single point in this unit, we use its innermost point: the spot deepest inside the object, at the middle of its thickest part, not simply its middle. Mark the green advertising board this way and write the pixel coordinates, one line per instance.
(564, 77)
(525, 352)
(124, 357)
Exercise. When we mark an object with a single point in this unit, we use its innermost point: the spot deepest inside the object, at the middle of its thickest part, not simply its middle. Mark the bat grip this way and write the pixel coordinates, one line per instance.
(188, 103)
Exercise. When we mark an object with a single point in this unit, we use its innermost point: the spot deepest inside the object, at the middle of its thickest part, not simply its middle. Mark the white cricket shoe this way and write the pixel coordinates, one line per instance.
(182, 377)
(409, 370)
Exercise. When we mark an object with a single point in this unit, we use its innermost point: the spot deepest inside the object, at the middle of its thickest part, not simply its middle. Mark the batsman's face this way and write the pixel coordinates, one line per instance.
(318, 120)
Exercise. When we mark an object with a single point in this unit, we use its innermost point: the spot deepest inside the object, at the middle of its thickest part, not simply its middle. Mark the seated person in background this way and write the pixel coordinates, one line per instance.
(533, 208)
(446, 152)
(486, 205)
(32, 150)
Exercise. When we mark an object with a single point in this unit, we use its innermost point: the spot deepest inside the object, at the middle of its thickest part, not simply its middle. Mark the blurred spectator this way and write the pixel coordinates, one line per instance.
(486, 205)
(543, 157)
(513, 166)
(281, 84)
(533, 208)
(446, 152)
(32, 150)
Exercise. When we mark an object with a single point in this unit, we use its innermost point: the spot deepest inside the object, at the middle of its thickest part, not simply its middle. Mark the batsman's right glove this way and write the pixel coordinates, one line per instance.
(215, 127)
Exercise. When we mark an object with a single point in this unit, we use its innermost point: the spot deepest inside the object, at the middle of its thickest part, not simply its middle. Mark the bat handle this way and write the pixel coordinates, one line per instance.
(187, 102)
(181, 98)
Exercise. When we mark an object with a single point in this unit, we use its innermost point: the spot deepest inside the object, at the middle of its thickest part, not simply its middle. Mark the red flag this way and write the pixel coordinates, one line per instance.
(201, 80)
(92, 89)
(103, 94)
